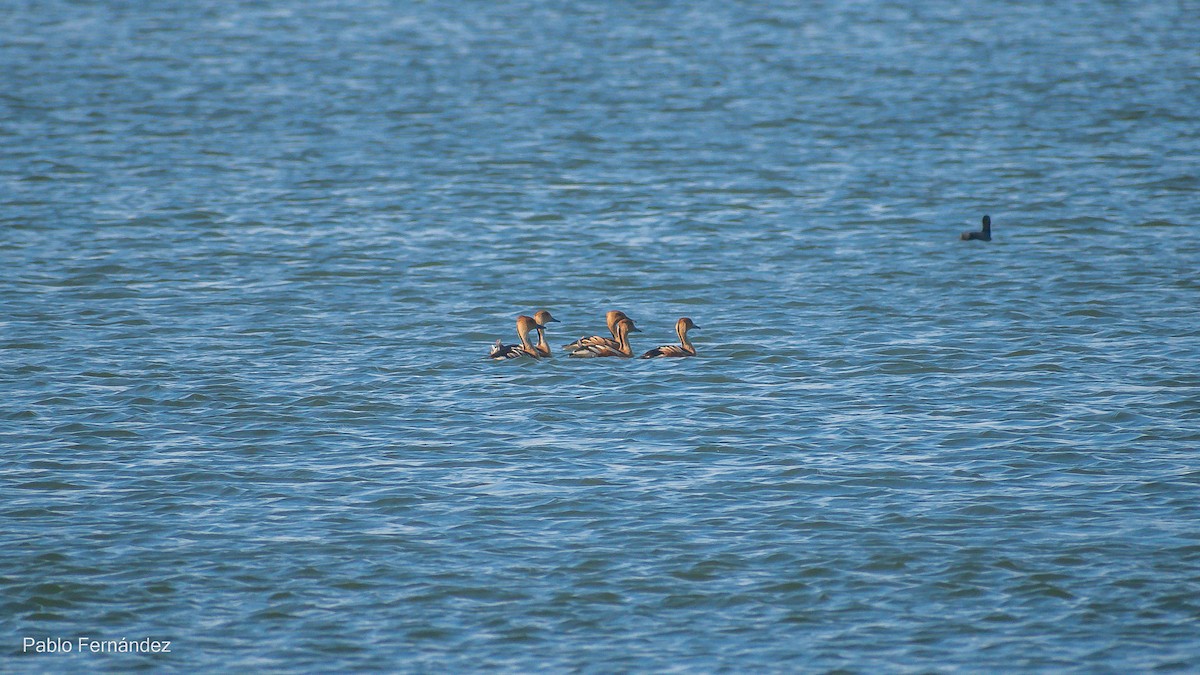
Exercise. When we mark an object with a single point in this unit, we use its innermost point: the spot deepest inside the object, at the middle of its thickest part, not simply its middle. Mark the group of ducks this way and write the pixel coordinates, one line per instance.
(590, 347)
(621, 326)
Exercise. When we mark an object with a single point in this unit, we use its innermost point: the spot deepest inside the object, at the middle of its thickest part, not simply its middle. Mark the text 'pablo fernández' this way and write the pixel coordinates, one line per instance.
(87, 645)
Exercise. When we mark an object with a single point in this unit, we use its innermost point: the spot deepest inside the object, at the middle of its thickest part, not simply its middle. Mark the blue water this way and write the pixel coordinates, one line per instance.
(254, 254)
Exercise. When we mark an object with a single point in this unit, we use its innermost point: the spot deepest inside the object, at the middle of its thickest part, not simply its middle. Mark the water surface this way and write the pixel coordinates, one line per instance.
(254, 254)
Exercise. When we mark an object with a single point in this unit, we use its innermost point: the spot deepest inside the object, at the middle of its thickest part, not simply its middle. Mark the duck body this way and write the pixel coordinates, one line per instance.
(501, 352)
(670, 351)
(618, 347)
(595, 351)
(983, 235)
(684, 348)
(525, 325)
(611, 318)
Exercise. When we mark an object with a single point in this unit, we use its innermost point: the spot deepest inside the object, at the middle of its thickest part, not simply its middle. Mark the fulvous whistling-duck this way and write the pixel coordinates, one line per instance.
(622, 348)
(983, 235)
(542, 317)
(612, 317)
(684, 348)
(525, 324)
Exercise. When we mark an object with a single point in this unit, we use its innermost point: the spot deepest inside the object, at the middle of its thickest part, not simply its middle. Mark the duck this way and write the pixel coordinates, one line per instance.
(542, 317)
(983, 235)
(684, 348)
(612, 317)
(622, 348)
(525, 324)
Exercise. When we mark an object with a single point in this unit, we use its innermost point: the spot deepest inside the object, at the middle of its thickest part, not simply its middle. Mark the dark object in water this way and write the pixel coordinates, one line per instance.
(983, 235)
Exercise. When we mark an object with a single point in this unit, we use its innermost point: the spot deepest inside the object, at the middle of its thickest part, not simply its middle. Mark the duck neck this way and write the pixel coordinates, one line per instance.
(683, 341)
(525, 343)
(542, 346)
(623, 341)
